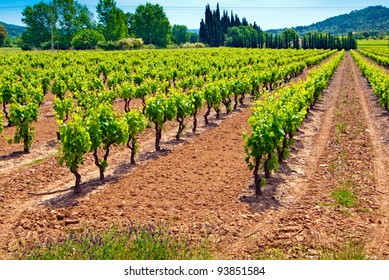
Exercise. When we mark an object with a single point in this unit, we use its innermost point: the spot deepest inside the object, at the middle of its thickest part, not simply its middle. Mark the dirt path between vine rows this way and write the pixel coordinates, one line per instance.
(201, 187)
(348, 150)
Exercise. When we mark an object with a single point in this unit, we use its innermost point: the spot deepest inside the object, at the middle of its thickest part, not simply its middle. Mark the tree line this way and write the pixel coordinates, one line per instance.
(65, 24)
(3, 35)
(218, 29)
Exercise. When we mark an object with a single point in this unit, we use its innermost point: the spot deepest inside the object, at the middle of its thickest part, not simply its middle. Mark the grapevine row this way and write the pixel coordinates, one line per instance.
(276, 117)
(84, 100)
(378, 79)
(382, 58)
(25, 79)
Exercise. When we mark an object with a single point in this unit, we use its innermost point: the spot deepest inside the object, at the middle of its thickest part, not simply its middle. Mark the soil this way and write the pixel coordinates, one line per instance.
(200, 185)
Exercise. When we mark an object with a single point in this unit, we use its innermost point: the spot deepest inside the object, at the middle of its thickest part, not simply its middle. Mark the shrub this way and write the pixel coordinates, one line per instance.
(173, 46)
(107, 46)
(45, 46)
(87, 39)
(130, 44)
(149, 47)
(199, 45)
(191, 45)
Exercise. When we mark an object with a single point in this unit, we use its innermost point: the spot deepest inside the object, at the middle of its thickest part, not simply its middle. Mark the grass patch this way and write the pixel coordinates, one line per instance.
(349, 251)
(344, 197)
(271, 254)
(130, 243)
(341, 128)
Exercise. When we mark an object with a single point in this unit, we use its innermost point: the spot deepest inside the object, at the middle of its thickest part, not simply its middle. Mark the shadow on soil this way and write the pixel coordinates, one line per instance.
(268, 198)
(261, 203)
(70, 199)
(52, 143)
(126, 167)
(174, 142)
(153, 155)
(13, 155)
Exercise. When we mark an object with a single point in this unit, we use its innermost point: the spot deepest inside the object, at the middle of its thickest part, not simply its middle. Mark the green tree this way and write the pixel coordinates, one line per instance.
(193, 37)
(86, 39)
(72, 17)
(3, 35)
(242, 36)
(9, 41)
(212, 29)
(179, 33)
(289, 37)
(60, 19)
(150, 23)
(112, 20)
(39, 19)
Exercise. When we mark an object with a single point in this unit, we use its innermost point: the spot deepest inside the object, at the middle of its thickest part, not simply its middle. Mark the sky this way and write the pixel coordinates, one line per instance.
(268, 14)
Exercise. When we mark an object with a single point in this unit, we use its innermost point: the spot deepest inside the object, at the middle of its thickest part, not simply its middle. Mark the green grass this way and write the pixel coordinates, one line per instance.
(271, 254)
(349, 251)
(341, 127)
(130, 243)
(344, 196)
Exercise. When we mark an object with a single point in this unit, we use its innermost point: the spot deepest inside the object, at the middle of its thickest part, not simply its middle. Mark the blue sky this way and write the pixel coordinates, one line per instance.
(267, 14)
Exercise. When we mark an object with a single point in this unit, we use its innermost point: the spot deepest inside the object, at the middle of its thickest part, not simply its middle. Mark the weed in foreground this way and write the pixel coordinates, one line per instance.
(344, 196)
(349, 251)
(270, 254)
(130, 243)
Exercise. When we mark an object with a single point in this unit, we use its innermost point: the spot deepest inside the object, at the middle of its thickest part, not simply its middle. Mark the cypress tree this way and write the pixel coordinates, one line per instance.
(219, 34)
(232, 20)
(203, 32)
(237, 21)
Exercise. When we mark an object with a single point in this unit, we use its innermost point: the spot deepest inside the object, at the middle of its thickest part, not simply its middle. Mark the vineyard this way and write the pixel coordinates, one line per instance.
(248, 147)
(84, 97)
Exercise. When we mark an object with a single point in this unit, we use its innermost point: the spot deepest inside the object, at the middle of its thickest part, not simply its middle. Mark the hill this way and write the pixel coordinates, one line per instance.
(13, 30)
(373, 18)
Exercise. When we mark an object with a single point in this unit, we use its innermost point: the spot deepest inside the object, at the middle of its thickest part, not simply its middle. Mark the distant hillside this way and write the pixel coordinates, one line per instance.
(13, 30)
(374, 18)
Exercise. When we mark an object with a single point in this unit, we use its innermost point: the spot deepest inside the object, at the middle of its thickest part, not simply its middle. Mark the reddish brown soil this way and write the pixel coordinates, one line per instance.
(348, 148)
(200, 185)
